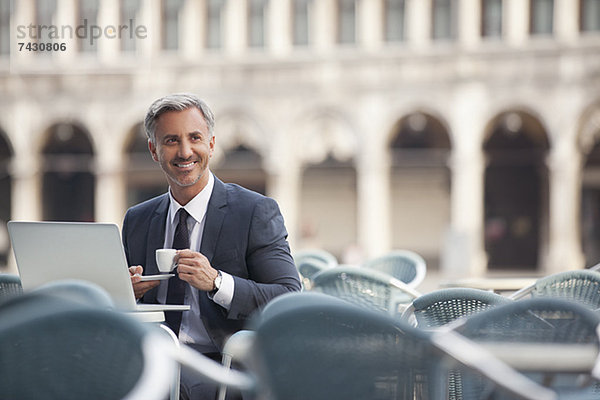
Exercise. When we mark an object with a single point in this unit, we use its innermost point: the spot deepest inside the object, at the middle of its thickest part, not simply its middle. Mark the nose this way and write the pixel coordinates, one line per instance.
(185, 149)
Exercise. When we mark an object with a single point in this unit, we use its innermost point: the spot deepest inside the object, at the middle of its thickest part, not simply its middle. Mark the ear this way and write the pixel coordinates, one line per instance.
(152, 149)
(211, 145)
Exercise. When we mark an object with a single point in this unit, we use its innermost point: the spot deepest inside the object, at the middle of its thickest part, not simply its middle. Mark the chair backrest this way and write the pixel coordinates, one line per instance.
(309, 267)
(368, 288)
(582, 286)
(10, 285)
(339, 351)
(320, 255)
(404, 265)
(440, 307)
(54, 348)
(543, 321)
(83, 292)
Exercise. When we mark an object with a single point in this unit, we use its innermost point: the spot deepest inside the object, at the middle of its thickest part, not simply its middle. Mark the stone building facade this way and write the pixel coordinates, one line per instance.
(465, 130)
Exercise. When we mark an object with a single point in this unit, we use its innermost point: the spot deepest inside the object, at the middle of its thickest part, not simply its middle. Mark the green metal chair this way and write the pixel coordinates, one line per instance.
(83, 292)
(404, 265)
(440, 307)
(540, 323)
(53, 348)
(365, 287)
(10, 285)
(310, 262)
(582, 286)
(335, 350)
(320, 255)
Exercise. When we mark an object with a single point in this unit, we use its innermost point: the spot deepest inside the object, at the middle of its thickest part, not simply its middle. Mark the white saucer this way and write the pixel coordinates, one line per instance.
(156, 277)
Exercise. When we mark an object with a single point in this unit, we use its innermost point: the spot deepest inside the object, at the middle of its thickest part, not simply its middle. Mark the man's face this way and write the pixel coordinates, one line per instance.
(183, 146)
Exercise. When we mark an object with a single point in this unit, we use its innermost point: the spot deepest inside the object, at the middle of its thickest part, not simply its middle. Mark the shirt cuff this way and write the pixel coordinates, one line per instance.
(224, 296)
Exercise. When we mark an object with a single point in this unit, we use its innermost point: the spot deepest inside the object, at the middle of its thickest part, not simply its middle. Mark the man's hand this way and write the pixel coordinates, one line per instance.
(195, 269)
(139, 287)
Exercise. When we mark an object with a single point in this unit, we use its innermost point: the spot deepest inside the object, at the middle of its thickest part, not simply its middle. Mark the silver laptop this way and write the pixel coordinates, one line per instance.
(50, 251)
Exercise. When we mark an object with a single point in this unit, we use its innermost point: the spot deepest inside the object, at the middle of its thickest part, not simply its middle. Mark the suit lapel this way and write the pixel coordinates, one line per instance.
(215, 214)
(156, 234)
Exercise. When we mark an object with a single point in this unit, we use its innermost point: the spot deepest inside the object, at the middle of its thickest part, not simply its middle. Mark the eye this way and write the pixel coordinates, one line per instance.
(170, 140)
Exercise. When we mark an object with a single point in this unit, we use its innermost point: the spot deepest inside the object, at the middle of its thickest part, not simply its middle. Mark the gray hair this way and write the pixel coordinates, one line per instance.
(176, 102)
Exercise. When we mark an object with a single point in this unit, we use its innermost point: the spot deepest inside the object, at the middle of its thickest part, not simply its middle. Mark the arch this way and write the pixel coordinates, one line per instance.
(589, 145)
(515, 190)
(143, 177)
(6, 155)
(240, 150)
(68, 182)
(419, 145)
(324, 140)
(325, 133)
(236, 127)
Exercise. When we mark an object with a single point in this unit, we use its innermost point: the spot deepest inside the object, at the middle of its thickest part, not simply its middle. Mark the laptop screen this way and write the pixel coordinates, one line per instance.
(50, 251)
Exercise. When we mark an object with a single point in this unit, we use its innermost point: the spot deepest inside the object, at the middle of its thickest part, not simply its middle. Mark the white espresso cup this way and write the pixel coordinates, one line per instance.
(164, 259)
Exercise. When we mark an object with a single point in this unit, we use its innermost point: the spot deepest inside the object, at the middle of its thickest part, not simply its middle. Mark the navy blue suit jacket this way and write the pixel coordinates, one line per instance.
(244, 235)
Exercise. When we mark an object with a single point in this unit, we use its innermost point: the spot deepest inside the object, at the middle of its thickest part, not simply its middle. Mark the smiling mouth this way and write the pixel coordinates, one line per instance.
(185, 165)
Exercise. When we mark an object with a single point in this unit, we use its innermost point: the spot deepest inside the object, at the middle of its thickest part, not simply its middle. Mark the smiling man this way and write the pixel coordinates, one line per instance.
(233, 256)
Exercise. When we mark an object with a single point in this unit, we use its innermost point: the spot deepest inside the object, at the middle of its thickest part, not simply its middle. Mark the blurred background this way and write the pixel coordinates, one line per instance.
(464, 130)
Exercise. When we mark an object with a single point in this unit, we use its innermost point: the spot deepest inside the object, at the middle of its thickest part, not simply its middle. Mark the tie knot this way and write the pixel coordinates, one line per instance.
(183, 215)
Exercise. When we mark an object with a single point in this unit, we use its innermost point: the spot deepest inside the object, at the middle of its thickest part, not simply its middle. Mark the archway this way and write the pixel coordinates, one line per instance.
(242, 165)
(6, 155)
(420, 185)
(589, 141)
(68, 181)
(144, 178)
(516, 191)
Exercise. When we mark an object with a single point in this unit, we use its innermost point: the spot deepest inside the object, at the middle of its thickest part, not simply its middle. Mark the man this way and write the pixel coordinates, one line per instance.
(233, 255)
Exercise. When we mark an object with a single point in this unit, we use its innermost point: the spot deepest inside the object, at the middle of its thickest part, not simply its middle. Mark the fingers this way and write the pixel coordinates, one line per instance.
(136, 270)
(140, 288)
(194, 268)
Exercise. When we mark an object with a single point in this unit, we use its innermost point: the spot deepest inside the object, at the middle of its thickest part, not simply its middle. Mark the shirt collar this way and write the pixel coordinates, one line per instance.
(197, 206)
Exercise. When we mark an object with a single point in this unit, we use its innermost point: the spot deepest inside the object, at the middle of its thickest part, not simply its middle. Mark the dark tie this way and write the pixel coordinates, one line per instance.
(176, 291)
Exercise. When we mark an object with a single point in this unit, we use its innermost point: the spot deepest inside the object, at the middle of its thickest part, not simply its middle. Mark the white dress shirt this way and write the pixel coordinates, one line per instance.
(192, 329)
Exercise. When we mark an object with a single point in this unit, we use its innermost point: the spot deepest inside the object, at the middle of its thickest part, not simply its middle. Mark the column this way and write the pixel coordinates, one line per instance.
(150, 17)
(110, 189)
(325, 15)
(279, 32)
(191, 29)
(516, 21)
(566, 20)
(284, 179)
(564, 248)
(236, 27)
(66, 15)
(370, 24)
(418, 22)
(464, 253)
(469, 22)
(373, 191)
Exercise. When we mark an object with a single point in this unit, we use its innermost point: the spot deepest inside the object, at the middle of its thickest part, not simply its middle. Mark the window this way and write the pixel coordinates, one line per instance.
(214, 24)
(44, 16)
(129, 10)
(301, 22)
(170, 21)
(444, 19)
(257, 23)
(346, 21)
(491, 18)
(542, 15)
(88, 15)
(590, 15)
(394, 20)
(4, 27)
